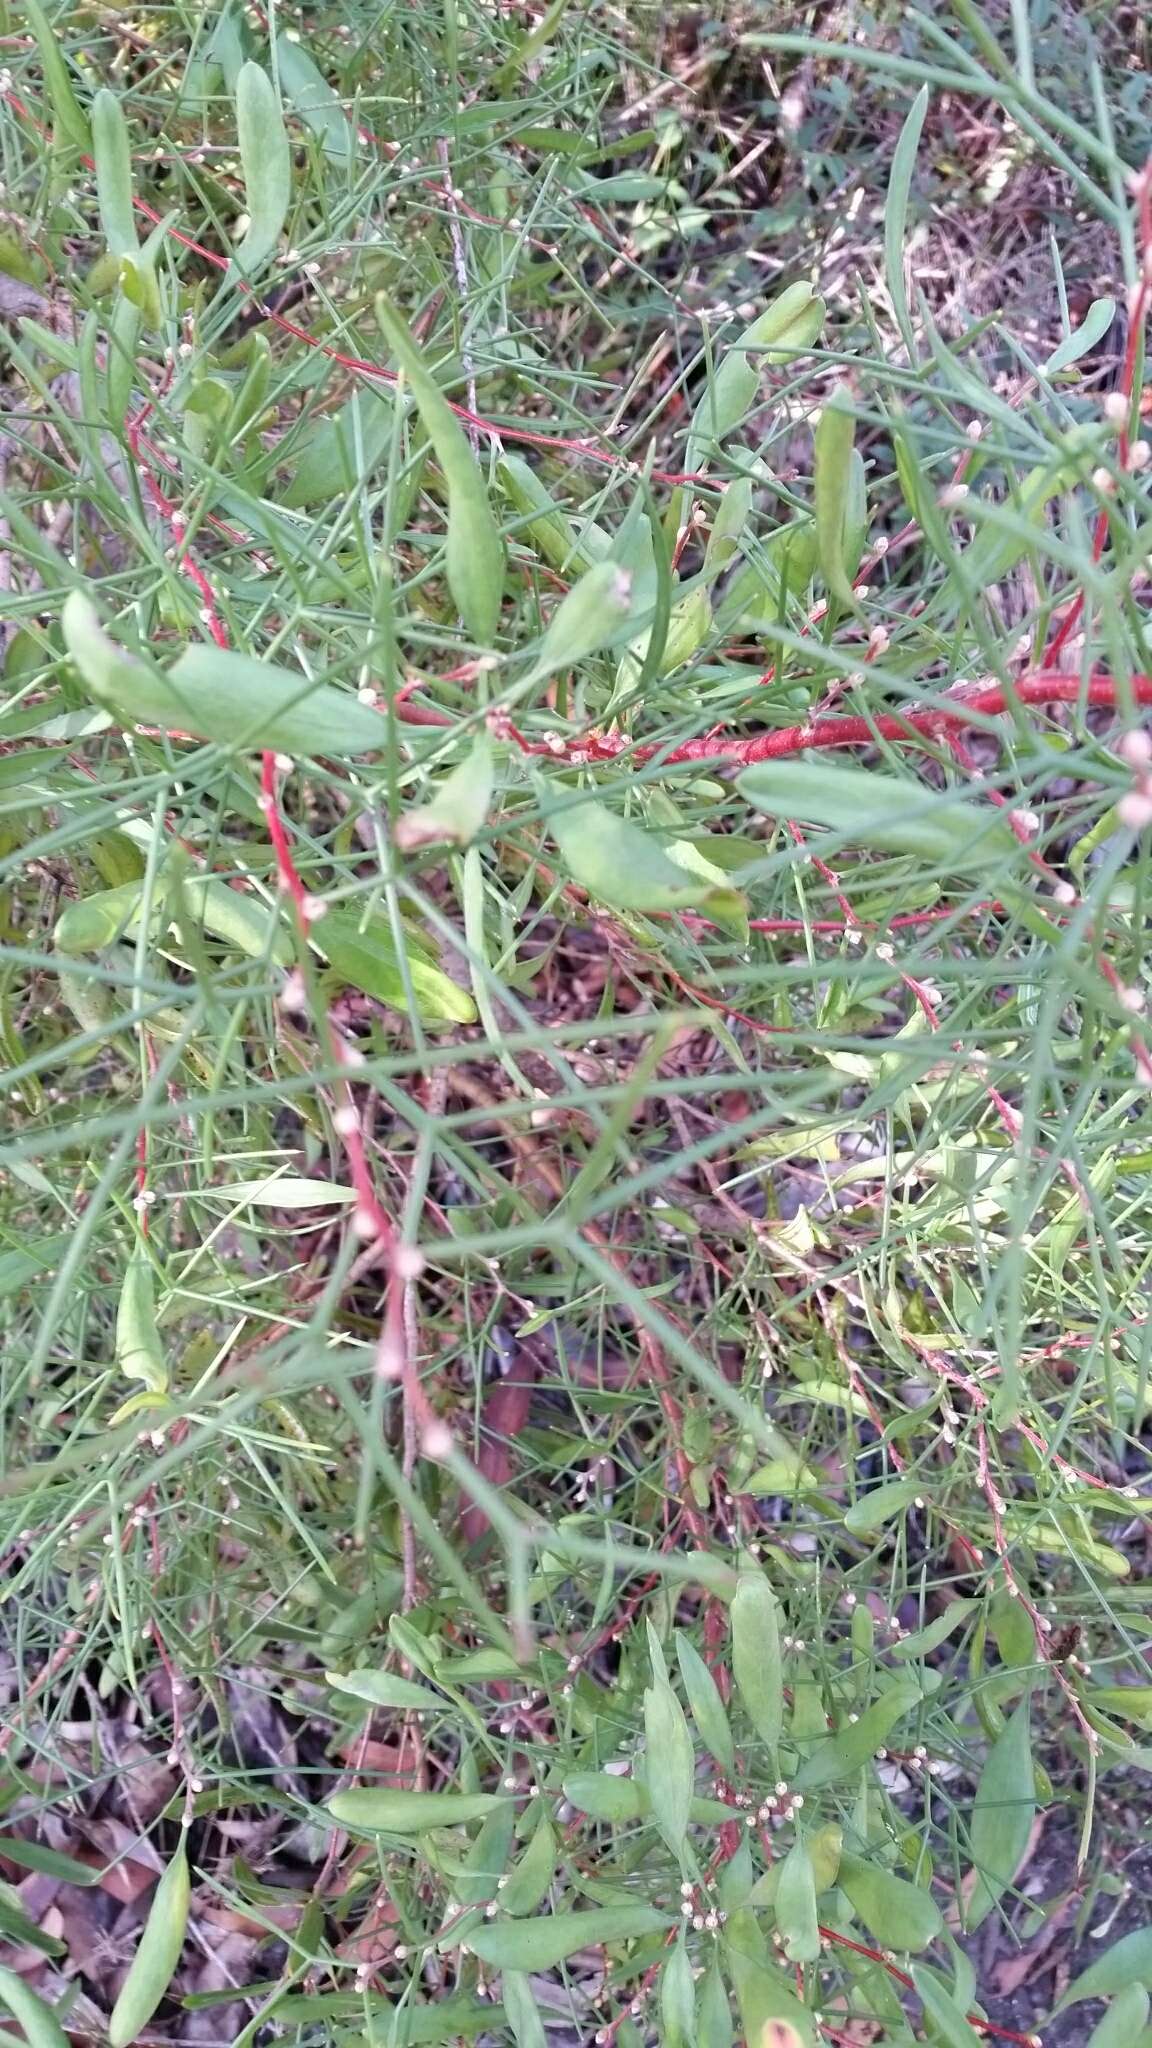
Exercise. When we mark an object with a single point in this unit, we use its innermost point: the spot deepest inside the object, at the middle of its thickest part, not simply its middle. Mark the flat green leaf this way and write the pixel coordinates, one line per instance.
(898, 1914)
(71, 122)
(621, 864)
(1128, 1961)
(671, 1762)
(771, 2015)
(474, 558)
(41, 2027)
(385, 1689)
(756, 1660)
(283, 1191)
(333, 457)
(789, 324)
(883, 812)
(532, 1945)
(314, 100)
(678, 2001)
(855, 1744)
(707, 1707)
(378, 1810)
(475, 1882)
(604, 1796)
(112, 154)
(1124, 2022)
(266, 164)
(97, 921)
(527, 1884)
(37, 1856)
(157, 1954)
(232, 699)
(896, 214)
(796, 1905)
(592, 615)
(363, 954)
(460, 806)
(831, 466)
(1092, 329)
(927, 1639)
(1013, 1629)
(880, 1505)
(139, 1353)
(521, 2011)
(563, 543)
(950, 2024)
(1002, 1816)
(715, 2012)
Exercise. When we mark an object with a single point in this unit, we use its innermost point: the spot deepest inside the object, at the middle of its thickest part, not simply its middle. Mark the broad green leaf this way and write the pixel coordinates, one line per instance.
(41, 2027)
(475, 551)
(621, 864)
(896, 214)
(111, 151)
(51, 1862)
(729, 522)
(1130, 1702)
(671, 1762)
(1092, 329)
(314, 100)
(831, 466)
(1124, 2022)
(857, 1741)
(791, 322)
(283, 1191)
(232, 699)
(898, 1914)
(756, 1660)
(950, 2024)
(771, 2015)
(333, 457)
(936, 1632)
(253, 926)
(1013, 1629)
(71, 122)
(521, 2011)
(363, 954)
(715, 2012)
(882, 812)
(99, 920)
(385, 1689)
(1128, 1961)
(708, 1709)
(603, 1796)
(678, 2001)
(527, 1884)
(475, 1883)
(266, 164)
(458, 810)
(540, 1944)
(825, 1846)
(796, 1905)
(878, 1506)
(1002, 1816)
(591, 616)
(378, 1810)
(156, 1956)
(139, 1354)
(563, 544)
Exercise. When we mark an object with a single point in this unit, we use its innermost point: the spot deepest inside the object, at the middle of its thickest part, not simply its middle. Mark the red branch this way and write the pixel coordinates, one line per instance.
(932, 722)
